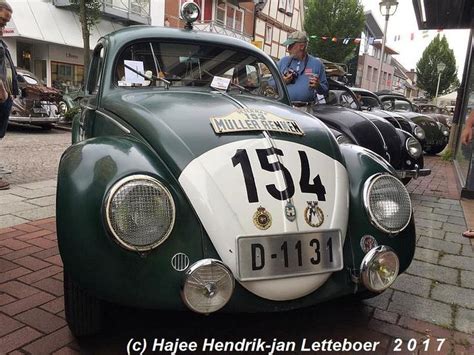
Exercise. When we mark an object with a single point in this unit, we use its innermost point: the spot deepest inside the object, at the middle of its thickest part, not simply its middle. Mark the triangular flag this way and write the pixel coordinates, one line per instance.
(324, 38)
(334, 39)
(356, 40)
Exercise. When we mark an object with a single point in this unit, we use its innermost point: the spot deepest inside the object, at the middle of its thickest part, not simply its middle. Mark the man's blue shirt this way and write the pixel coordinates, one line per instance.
(300, 90)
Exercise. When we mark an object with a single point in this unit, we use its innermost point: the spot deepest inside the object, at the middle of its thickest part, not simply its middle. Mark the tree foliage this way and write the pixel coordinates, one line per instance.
(89, 14)
(333, 18)
(438, 51)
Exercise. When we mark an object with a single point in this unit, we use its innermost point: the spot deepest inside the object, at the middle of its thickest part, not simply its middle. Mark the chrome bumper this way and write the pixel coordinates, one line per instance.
(414, 173)
(32, 119)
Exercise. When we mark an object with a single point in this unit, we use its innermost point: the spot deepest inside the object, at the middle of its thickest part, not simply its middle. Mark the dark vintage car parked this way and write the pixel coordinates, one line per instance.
(371, 102)
(342, 113)
(440, 114)
(191, 186)
(436, 133)
(37, 104)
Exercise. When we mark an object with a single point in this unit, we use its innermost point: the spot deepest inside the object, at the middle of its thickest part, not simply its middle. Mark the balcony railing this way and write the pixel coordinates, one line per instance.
(135, 11)
(213, 26)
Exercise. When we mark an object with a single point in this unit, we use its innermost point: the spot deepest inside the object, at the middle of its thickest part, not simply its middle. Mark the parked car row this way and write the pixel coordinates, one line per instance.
(189, 186)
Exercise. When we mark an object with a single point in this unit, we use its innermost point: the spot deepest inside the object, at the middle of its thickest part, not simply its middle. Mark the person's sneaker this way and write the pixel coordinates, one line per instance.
(4, 185)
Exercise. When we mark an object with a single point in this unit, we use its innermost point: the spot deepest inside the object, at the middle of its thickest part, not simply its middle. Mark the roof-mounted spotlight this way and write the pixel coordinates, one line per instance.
(190, 12)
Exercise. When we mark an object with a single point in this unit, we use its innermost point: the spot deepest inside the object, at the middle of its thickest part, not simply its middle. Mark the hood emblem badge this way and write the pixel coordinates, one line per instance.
(313, 215)
(262, 218)
(290, 212)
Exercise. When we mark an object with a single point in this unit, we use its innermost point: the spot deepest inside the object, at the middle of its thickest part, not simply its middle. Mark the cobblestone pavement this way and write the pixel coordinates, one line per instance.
(433, 300)
(31, 153)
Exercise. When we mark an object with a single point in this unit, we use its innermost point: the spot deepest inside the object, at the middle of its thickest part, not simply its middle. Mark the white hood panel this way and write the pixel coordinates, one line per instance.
(215, 185)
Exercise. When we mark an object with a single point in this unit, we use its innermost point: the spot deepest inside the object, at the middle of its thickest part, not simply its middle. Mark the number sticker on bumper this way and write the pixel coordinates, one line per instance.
(287, 255)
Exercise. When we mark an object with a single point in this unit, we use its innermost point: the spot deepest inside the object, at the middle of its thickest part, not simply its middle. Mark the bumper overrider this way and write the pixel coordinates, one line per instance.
(414, 173)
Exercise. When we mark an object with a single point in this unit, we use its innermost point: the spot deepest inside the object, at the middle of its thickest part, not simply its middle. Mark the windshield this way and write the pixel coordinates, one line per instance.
(391, 104)
(194, 65)
(341, 98)
(369, 101)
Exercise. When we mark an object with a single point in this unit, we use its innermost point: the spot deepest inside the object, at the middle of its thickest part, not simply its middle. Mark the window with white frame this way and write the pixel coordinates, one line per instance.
(268, 33)
(229, 15)
(289, 7)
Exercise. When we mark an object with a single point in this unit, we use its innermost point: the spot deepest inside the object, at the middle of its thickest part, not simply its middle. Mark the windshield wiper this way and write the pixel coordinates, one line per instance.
(154, 77)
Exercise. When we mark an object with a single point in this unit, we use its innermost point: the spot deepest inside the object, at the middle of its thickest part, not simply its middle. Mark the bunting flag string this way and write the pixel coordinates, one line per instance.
(412, 35)
(344, 40)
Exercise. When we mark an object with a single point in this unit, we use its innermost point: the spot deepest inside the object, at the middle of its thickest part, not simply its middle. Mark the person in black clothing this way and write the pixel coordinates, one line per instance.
(8, 81)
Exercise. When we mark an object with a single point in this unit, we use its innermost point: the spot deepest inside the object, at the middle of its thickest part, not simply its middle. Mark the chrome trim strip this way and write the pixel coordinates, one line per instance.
(118, 124)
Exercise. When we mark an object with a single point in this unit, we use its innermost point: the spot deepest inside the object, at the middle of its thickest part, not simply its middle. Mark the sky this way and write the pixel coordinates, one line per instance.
(403, 23)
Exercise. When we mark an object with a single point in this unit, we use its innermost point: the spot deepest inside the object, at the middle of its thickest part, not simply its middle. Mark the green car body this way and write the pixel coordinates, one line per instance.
(163, 133)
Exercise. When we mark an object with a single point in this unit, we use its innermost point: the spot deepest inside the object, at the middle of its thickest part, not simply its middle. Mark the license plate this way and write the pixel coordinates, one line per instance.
(286, 255)
(39, 110)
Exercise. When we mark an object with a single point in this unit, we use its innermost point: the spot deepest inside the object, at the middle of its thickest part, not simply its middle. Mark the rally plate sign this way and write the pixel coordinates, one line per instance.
(254, 120)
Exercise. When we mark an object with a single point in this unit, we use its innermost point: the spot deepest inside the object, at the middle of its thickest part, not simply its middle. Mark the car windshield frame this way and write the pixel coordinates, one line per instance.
(194, 65)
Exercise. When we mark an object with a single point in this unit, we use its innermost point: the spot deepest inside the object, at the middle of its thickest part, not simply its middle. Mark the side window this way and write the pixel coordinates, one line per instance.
(95, 74)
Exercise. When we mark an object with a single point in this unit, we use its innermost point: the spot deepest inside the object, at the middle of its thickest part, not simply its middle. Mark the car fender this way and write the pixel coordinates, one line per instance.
(87, 171)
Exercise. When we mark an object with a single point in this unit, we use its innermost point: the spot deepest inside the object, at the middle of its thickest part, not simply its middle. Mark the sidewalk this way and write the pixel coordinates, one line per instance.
(434, 298)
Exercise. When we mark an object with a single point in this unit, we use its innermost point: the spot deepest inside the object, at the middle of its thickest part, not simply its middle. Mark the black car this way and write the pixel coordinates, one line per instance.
(371, 102)
(343, 114)
(436, 133)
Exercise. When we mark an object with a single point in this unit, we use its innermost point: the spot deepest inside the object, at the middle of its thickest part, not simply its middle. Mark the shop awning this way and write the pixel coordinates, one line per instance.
(42, 21)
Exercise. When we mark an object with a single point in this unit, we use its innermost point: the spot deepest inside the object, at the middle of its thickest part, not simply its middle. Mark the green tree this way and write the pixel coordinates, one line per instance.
(333, 18)
(438, 51)
(89, 14)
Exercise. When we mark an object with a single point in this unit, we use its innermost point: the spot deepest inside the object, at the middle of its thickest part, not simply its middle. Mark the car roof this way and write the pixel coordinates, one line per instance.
(132, 33)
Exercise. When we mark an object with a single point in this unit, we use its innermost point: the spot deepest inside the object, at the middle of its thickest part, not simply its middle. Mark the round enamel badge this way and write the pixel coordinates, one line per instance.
(262, 218)
(290, 212)
(367, 242)
(313, 215)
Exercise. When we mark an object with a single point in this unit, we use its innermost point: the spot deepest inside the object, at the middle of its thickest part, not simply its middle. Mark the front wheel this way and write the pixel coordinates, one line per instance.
(84, 313)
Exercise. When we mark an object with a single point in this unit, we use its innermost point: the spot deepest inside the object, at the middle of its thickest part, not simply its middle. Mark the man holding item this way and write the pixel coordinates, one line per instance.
(303, 74)
(8, 82)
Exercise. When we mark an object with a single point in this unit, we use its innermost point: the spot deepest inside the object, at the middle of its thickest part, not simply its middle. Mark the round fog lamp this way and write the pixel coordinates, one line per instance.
(207, 287)
(190, 11)
(379, 268)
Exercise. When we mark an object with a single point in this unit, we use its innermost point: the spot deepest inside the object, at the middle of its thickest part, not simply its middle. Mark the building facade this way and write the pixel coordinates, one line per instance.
(229, 17)
(45, 37)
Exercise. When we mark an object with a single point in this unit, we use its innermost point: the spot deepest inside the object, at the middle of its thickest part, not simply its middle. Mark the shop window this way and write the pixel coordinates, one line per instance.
(67, 77)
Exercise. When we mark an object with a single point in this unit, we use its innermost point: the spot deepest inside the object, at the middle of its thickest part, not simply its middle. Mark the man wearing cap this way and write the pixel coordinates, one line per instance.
(8, 82)
(304, 75)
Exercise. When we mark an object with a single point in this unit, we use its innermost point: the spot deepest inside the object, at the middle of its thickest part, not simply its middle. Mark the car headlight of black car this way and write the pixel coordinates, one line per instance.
(139, 212)
(413, 147)
(343, 139)
(387, 203)
(444, 130)
(419, 132)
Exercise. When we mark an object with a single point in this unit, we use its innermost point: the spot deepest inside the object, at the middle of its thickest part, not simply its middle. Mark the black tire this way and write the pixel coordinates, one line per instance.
(84, 313)
(436, 149)
(47, 127)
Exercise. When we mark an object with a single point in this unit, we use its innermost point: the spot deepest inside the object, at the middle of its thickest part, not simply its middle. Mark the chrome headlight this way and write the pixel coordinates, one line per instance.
(419, 132)
(343, 139)
(208, 285)
(140, 212)
(445, 130)
(379, 268)
(190, 11)
(413, 147)
(62, 107)
(387, 203)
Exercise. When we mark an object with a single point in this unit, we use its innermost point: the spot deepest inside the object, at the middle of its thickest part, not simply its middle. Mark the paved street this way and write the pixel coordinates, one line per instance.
(32, 153)
(433, 300)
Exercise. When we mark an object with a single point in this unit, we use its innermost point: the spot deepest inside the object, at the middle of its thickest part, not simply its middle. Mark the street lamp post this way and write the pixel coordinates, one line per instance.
(441, 66)
(387, 9)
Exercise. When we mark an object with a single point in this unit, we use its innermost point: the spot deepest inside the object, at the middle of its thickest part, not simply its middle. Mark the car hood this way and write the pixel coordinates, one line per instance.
(231, 179)
(353, 124)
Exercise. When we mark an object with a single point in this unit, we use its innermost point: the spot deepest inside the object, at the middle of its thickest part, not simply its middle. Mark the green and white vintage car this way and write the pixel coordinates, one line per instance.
(193, 184)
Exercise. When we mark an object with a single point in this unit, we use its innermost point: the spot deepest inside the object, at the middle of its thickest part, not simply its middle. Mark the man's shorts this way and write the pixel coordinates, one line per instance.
(5, 108)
